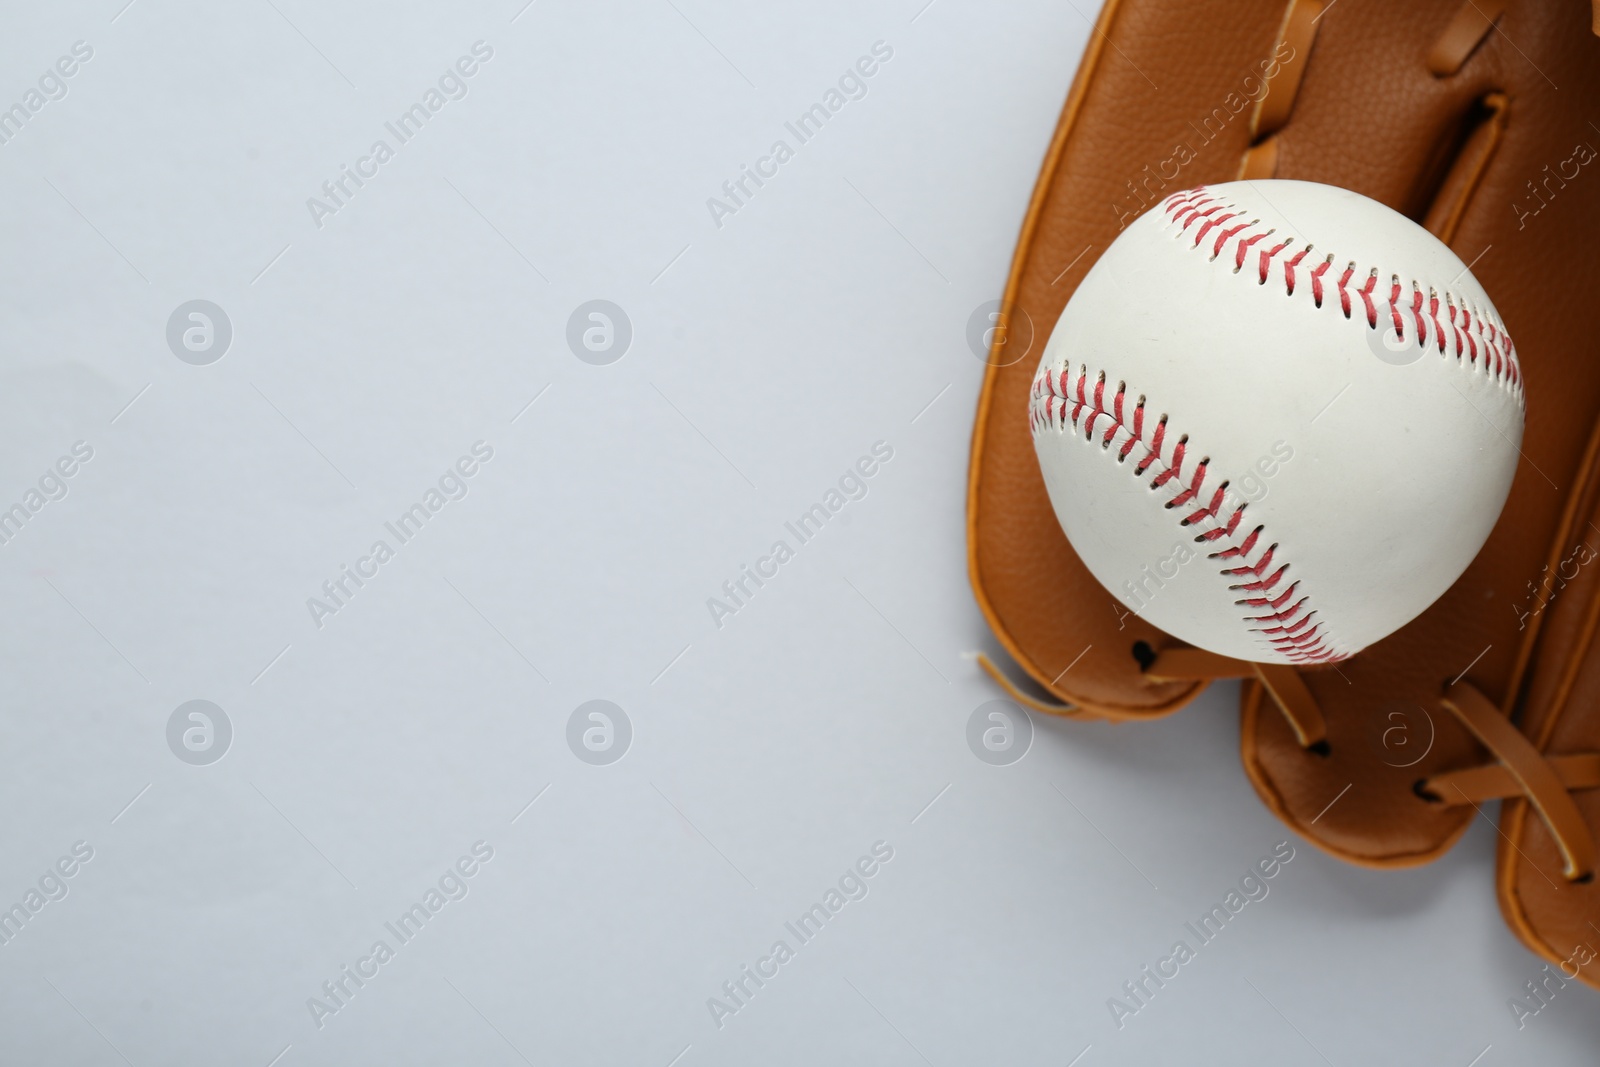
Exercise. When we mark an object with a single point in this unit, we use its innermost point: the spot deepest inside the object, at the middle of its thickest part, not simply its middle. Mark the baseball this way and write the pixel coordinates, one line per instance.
(1277, 419)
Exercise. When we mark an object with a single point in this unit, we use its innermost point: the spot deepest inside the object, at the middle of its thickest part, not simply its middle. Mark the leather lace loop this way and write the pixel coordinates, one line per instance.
(1295, 36)
(1282, 681)
(1545, 782)
(1494, 782)
(1289, 691)
(1467, 28)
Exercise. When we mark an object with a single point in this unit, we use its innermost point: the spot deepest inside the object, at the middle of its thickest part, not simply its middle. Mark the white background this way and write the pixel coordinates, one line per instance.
(768, 354)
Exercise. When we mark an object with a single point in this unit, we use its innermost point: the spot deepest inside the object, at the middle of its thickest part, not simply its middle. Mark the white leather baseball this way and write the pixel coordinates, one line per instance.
(1277, 419)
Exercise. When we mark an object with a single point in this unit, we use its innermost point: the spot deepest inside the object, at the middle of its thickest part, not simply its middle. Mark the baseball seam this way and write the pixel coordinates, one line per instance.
(1288, 623)
(1470, 331)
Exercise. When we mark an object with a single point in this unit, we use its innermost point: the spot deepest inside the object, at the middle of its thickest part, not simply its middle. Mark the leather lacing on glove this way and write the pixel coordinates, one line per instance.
(1520, 770)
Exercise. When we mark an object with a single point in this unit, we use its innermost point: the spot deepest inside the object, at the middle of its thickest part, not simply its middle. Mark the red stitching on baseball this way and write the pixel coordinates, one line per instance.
(1287, 627)
(1177, 202)
(1200, 234)
(1316, 279)
(1222, 238)
(1466, 326)
(1288, 268)
(1365, 293)
(1267, 254)
(1344, 293)
(1466, 336)
(1196, 213)
(1244, 246)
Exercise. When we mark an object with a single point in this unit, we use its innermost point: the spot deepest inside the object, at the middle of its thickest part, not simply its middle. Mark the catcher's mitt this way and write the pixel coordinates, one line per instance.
(1472, 117)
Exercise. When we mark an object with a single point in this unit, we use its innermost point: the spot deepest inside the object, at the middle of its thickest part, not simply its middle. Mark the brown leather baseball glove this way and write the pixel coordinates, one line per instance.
(1472, 117)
